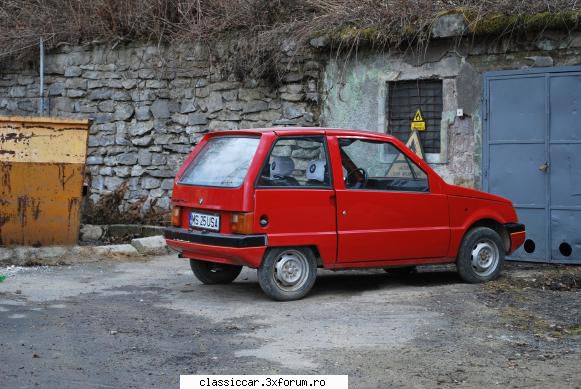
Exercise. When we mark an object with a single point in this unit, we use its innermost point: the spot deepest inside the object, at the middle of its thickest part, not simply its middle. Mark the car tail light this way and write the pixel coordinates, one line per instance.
(242, 223)
(176, 213)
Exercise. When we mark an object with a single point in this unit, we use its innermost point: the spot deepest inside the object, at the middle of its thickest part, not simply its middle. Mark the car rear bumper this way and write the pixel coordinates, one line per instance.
(246, 250)
(517, 234)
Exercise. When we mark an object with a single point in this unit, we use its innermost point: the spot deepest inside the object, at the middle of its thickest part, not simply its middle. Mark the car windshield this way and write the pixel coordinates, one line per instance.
(223, 162)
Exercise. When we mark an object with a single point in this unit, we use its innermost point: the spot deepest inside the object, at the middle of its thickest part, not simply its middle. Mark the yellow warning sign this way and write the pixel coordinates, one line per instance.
(418, 117)
(418, 123)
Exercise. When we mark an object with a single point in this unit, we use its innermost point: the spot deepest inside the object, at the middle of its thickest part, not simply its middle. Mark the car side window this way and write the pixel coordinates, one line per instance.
(379, 166)
(297, 162)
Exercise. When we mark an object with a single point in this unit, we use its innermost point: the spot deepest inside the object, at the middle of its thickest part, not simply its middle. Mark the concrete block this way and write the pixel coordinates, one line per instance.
(6, 255)
(120, 230)
(116, 250)
(151, 245)
(151, 231)
(90, 232)
(24, 255)
(449, 26)
(541, 61)
(51, 252)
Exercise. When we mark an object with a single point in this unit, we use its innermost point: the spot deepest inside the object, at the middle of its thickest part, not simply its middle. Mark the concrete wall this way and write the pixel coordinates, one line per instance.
(355, 89)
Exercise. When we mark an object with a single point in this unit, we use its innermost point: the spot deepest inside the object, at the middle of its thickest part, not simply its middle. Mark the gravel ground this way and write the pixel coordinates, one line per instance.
(143, 323)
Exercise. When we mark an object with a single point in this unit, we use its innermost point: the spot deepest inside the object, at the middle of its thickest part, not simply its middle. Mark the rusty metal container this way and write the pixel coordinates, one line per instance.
(42, 168)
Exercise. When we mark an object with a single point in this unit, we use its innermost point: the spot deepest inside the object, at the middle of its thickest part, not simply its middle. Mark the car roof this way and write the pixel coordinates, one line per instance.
(298, 131)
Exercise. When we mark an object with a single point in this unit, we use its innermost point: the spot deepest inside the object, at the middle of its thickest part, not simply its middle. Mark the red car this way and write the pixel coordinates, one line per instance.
(287, 201)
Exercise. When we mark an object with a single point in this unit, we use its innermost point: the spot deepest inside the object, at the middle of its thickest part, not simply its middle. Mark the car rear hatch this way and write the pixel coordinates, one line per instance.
(213, 189)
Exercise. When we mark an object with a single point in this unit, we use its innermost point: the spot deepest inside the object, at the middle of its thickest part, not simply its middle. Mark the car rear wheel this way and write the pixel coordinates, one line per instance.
(214, 273)
(287, 274)
(481, 255)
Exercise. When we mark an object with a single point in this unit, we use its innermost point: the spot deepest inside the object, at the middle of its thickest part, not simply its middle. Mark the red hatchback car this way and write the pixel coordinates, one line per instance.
(287, 201)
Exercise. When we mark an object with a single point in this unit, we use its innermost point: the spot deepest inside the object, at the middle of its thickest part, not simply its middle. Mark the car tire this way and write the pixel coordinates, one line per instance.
(401, 271)
(287, 274)
(481, 255)
(214, 273)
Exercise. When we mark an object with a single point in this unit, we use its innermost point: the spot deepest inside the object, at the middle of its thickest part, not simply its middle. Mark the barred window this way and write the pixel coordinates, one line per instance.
(404, 100)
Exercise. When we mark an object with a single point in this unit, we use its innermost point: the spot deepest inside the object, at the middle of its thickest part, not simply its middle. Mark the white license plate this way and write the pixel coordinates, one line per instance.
(205, 221)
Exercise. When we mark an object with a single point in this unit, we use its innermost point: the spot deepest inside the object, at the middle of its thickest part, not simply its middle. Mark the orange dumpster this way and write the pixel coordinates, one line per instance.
(42, 167)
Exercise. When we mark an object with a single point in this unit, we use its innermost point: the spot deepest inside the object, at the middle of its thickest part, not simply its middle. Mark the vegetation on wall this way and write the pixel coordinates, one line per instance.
(262, 26)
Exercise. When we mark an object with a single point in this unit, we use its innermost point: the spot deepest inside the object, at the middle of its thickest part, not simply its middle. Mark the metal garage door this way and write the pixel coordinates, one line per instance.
(532, 155)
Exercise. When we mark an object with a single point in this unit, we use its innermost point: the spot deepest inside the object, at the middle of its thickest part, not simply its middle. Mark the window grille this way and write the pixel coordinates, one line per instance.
(404, 99)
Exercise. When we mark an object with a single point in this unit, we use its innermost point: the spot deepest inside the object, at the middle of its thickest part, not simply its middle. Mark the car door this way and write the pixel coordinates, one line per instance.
(386, 208)
(294, 194)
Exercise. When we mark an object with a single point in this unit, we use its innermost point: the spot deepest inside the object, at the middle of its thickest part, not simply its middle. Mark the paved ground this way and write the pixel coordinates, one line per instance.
(143, 323)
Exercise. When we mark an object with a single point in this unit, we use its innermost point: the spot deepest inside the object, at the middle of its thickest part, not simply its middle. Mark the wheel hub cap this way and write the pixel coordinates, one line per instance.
(289, 270)
(485, 257)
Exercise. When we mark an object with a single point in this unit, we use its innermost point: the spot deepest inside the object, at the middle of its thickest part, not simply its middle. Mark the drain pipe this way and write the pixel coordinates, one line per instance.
(41, 70)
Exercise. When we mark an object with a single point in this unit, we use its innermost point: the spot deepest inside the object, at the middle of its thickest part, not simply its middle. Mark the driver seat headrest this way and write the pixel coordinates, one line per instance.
(316, 170)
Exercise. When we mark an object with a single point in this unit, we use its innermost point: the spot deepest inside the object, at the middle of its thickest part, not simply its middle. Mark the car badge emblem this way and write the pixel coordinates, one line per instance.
(201, 201)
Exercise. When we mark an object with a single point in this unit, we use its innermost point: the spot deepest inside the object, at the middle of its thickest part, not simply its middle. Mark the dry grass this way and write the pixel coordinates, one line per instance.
(540, 299)
(261, 26)
(111, 209)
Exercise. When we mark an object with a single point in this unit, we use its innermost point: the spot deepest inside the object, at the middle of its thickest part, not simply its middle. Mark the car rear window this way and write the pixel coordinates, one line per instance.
(223, 162)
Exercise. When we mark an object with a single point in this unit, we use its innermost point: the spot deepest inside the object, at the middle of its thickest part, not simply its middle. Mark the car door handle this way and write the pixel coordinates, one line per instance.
(544, 167)
(344, 213)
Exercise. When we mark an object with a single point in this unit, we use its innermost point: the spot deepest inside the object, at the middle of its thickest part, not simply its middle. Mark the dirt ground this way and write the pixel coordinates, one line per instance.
(143, 323)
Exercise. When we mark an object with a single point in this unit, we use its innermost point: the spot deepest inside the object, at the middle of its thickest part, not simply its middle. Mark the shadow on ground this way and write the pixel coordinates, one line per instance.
(349, 283)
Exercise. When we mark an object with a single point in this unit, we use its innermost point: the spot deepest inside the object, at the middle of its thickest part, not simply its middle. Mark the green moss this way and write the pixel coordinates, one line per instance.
(495, 24)
(498, 24)
(525, 320)
(351, 33)
(552, 21)
(567, 332)
(372, 35)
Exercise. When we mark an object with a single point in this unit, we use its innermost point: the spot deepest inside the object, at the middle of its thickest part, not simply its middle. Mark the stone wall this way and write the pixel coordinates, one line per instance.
(151, 106)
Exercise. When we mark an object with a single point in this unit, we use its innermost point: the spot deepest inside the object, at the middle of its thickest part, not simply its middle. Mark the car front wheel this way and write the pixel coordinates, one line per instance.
(287, 274)
(214, 273)
(481, 255)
